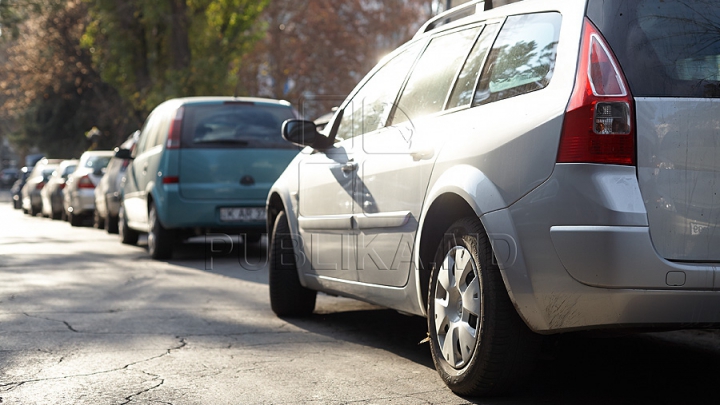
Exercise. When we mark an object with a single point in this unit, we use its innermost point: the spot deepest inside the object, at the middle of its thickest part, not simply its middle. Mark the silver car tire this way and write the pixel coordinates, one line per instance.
(33, 210)
(288, 298)
(98, 221)
(111, 222)
(479, 344)
(74, 219)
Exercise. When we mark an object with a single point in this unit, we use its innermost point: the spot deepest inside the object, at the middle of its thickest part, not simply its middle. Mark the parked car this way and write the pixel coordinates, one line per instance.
(32, 159)
(38, 177)
(557, 172)
(107, 192)
(8, 177)
(203, 165)
(52, 194)
(79, 192)
(16, 189)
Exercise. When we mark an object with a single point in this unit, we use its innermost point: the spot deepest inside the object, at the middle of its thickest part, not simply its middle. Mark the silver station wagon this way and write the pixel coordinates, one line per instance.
(534, 168)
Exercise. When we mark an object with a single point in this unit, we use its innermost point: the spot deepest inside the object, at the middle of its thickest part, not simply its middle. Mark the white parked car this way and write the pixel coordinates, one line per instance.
(541, 167)
(79, 192)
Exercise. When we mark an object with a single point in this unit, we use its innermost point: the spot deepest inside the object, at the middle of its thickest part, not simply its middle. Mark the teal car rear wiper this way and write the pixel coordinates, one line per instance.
(233, 141)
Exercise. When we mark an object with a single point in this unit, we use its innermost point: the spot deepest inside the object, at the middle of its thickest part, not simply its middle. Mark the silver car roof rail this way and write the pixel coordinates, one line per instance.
(453, 14)
(464, 10)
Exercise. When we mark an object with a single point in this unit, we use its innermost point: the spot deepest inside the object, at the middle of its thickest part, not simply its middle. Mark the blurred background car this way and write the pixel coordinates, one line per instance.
(8, 177)
(32, 159)
(79, 193)
(31, 199)
(16, 189)
(107, 192)
(52, 193)
(203, 164)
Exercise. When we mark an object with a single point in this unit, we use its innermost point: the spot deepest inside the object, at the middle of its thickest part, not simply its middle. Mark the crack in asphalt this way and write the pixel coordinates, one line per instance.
(129, 398)
(11, 388)
(54, 320)
(15, 384)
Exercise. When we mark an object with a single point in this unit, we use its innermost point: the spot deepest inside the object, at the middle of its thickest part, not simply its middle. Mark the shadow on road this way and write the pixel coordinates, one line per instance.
(660, 368)
(380, 328)
(239, 261)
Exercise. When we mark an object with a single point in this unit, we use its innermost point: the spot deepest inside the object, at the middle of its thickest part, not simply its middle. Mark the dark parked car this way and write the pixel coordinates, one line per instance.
(31, 199)
(17, 187)
(107, 192)
(31, 160)
(8, 177)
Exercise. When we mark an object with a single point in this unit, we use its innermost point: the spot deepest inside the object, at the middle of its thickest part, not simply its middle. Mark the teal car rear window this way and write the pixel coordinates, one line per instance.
(235, 125)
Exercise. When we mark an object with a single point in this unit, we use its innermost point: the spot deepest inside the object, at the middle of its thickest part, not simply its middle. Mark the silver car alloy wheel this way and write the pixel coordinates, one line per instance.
(457, 307)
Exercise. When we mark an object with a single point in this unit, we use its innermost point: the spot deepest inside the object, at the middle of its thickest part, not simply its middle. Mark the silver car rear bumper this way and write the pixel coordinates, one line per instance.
(576, 253)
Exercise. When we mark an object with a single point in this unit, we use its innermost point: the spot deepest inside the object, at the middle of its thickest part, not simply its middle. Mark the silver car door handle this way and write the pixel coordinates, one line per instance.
(422, 154)
(349, 167)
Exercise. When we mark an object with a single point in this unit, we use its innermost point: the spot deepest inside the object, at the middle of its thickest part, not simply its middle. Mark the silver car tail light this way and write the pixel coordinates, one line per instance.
(598, 126)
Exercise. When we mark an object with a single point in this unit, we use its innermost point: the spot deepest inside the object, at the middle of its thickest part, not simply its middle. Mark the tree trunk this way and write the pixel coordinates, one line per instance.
(126, 12)
(179, 31)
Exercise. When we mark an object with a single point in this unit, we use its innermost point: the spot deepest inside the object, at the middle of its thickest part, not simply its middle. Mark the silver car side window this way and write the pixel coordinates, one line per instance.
(522, 59)
(371, 106)
(432, 78)
(464, 89)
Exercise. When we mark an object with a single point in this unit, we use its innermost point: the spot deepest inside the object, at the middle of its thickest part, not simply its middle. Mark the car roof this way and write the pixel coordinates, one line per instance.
(473, 11)
(216, 100)
(69, 162)
(46, 161)
(98, 153)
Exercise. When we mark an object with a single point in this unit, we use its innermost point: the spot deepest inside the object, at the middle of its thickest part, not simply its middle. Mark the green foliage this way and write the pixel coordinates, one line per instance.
(154, 50)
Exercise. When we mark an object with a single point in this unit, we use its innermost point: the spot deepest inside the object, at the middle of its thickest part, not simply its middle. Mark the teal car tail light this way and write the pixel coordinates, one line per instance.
(175, 132)
(171, 180)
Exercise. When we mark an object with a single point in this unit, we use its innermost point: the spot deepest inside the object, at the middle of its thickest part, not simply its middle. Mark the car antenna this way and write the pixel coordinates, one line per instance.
(237, 88)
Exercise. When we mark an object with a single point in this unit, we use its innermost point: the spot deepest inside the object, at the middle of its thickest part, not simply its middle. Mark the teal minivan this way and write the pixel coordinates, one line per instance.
(203, 164)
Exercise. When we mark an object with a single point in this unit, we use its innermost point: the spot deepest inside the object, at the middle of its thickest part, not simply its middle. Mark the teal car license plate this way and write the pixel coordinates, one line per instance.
(242, 214)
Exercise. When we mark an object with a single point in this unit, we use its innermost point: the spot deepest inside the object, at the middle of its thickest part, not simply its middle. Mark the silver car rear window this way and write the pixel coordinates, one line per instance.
(665, 48)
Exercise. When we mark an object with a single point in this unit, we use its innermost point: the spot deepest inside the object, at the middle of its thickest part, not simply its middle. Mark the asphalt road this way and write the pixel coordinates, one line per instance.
(86, 320)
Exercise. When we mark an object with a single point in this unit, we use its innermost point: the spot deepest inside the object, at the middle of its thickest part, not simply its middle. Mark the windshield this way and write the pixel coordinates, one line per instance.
(47, 172)
(97, 162)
